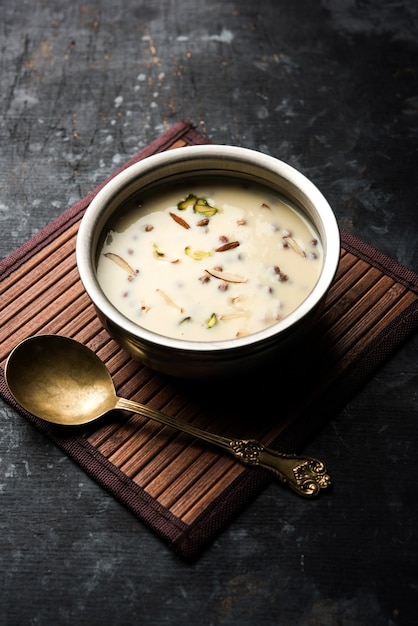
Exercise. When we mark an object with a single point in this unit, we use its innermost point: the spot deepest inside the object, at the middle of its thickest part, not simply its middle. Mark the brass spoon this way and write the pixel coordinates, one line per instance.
(62, 381)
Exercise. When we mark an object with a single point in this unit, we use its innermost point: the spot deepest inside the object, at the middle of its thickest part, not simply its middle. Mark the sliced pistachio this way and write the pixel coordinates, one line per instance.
(197, 255)
(157, 250)
(179, 220)
(294, 245)
(185, 319)
(169, 301)
(189, 201)
(211, 321)
(229, 278)
(162, 255)
(203, 207)
(121, 262)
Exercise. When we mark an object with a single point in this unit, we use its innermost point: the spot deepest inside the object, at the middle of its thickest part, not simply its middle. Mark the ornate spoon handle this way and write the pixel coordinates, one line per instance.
(305, 475)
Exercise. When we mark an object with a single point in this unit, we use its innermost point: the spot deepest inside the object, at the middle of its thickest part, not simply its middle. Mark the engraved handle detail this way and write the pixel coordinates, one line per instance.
(305, 475)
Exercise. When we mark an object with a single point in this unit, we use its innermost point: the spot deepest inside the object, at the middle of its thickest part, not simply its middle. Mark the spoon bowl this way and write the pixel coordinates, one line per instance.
(62, 381)
(59, 380)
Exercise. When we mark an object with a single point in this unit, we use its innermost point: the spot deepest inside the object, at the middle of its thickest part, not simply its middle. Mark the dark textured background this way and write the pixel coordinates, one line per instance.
(330, 87)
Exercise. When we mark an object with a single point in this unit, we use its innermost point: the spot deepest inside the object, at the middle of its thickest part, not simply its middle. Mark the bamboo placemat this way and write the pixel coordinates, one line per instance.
(184, 490)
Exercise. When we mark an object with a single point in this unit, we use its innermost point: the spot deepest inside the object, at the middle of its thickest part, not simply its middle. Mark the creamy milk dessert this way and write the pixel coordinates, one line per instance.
(210, 261)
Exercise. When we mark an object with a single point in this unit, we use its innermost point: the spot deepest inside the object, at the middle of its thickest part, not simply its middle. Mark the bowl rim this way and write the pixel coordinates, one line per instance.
(187, 155)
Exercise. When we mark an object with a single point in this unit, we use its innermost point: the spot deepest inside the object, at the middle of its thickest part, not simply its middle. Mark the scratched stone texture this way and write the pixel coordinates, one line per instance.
(330, 87)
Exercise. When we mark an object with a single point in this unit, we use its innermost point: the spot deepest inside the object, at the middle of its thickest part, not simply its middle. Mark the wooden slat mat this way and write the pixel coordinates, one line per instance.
(184, 490)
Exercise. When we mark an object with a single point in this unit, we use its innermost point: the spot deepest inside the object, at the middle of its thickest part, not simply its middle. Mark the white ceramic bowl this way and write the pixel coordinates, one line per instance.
(203, 360)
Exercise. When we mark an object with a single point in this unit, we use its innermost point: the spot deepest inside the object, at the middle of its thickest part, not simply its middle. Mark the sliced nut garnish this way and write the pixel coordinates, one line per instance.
(197, 255)
(232, 316)
(162, 255)
(295, 246)
(203, 207)
(116, 258)
(157, 250)
(179, 220)
(210, 323)
(189, 201)
(229, 278)
(227, 246)
(169, 300)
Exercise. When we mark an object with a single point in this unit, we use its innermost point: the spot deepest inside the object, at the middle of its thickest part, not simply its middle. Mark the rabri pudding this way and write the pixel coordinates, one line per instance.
(209, 260)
